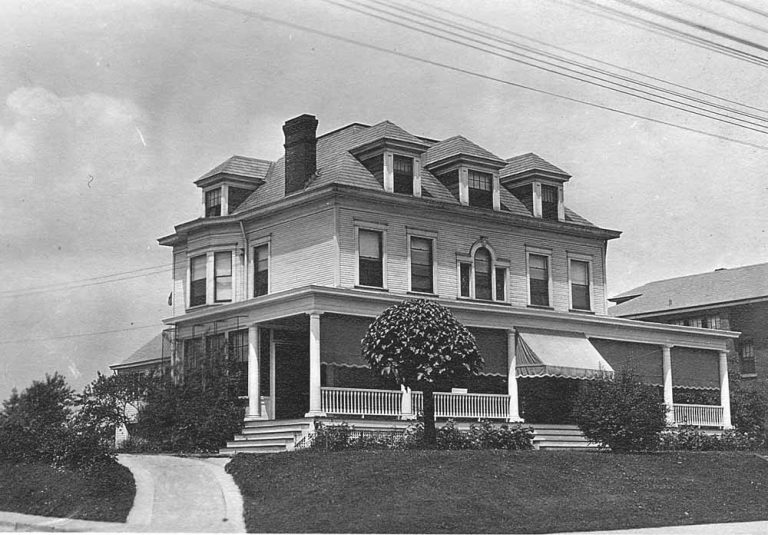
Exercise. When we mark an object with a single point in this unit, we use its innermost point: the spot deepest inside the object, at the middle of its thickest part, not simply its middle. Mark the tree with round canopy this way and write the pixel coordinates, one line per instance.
(421, 345)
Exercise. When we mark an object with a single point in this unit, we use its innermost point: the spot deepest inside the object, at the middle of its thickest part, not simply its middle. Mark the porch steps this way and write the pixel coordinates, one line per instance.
(560, 437)
(267, 436)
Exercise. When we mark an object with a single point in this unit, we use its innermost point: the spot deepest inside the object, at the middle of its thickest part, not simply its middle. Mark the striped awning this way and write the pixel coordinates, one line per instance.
(566, 355)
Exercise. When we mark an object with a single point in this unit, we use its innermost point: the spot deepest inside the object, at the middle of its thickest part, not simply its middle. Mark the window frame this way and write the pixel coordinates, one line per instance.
(231, 277)
(546, 253)
(381, 229)
(432, 238)
(252, 267)
(496, 264)
(470, 189)
(190, 281)
(217, 190)
(743, 344)
(585, 259)
(395, 157)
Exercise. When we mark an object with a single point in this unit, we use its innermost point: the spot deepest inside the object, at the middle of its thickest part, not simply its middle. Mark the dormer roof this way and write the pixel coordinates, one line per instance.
(459, 148)
(238, 168)
(387, 133)
(529, 165)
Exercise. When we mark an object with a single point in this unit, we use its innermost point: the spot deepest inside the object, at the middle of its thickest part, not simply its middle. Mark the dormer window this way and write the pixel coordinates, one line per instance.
(213, 203)
(480, 189)
(549, 202)
(403, 174)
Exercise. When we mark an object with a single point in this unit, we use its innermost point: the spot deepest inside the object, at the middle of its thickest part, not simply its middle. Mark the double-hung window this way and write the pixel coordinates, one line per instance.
(480, 189)
(261, 270)
(198, 283)
(222, 276)
(403, 174)
(501, 284)
(213, 203)
(580, 287)
(747, 357)
(549, 201)
(483, 276)
(422, 264)
(370, 258)
(538, 279)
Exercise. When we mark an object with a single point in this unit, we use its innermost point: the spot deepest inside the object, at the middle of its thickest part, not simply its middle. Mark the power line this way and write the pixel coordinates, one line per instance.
(81, 335)
(485, 24)
(667, 31)
(412, 57)
(722, 15)
(746, 7)
(620, 86)
(70, 286)
(696, 25)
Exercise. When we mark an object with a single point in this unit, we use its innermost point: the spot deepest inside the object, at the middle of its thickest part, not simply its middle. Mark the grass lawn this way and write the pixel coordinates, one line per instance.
(38, 489)
(495, 491)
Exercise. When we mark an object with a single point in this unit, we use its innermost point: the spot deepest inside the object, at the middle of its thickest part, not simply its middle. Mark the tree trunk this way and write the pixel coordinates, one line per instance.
(430, 437)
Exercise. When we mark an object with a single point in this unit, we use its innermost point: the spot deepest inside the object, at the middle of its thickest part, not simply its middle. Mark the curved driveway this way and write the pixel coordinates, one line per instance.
(183, 494)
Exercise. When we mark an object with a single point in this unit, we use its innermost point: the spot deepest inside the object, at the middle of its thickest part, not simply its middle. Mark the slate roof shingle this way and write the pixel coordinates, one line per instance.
(240, 166)
(454, 146)
(529, 162)
(154, 349)
(700, 290)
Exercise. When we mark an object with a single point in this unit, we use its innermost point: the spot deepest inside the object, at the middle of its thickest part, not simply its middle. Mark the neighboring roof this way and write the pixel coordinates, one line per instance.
(455, 146)
(529, 162)
(240, 166)
(159, 346)
(700, 290)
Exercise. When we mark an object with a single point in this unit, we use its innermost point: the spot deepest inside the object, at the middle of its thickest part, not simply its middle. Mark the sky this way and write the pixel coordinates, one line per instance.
(110, 110)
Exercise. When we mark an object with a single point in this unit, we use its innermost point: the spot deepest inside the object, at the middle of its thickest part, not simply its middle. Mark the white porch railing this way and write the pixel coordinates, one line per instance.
(455, 405)
(362, 402)
(702, 415)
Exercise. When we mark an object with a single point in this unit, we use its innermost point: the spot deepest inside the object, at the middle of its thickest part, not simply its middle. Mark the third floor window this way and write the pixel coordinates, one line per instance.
(403, 174)
(213, 203)
(480, 189)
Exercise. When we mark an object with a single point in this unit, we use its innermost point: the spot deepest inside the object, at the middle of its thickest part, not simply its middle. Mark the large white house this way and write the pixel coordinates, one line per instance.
(289, 262)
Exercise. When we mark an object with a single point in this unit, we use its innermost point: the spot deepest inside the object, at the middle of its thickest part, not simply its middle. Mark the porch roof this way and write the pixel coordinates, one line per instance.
(566, 355)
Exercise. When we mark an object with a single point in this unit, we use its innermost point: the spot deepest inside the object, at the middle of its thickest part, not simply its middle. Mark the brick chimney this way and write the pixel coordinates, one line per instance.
(300, 152)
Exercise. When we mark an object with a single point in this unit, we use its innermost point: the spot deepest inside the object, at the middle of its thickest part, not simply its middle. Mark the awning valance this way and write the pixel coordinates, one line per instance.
(566, 355)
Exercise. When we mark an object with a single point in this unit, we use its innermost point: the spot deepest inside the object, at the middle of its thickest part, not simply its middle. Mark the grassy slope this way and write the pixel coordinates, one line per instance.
(495, 491)
(38, 489)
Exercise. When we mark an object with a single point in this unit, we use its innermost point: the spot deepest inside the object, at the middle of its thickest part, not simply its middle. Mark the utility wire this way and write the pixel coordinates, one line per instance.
(667, 31)
(696, 25)
(698, 6)
(622, 86)
(746, 7)
(485, 24)
(81, 335)
(426, 61)
(55, 288)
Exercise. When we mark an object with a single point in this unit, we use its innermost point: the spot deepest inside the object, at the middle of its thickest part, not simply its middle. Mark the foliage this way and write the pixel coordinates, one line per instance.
(480, 436)
(39, 425)
(692, 439)
(623, 414)
(197, 413)
(420, 344)
(749, 409)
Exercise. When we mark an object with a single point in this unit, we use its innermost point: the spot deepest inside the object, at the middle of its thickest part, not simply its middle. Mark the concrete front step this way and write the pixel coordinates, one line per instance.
(254, 448)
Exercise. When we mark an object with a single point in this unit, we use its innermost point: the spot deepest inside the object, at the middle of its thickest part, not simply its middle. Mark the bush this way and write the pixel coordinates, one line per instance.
(623, 414)
(692, 439)
(331, 437)
(749, 409)
(198, 413)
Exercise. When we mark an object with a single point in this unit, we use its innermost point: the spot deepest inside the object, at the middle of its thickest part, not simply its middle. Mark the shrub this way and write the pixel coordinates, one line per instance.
(111, 400)
(331, 437)
(489, 437)
(623, 414)
(692, 439)
(749, 409)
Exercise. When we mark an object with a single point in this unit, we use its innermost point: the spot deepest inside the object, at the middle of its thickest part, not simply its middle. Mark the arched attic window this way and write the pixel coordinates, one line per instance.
(482, 275)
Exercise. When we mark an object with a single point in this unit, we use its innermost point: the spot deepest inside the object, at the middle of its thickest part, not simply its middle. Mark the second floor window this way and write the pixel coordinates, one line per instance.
(747, 357)
(465, 273)
(216, 347)
(421, 265)
(371, 258)
(501, 284)
(480, 189)
(213, 203)
(197, 284)
(222, 283)
(538, 276)
(483, 274)
(261, 270)
(403, 174)
(580, 294)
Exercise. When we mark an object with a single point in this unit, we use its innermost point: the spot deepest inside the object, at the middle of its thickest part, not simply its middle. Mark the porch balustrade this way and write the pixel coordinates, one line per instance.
(456, 405)
(362, 402)
(701, 415)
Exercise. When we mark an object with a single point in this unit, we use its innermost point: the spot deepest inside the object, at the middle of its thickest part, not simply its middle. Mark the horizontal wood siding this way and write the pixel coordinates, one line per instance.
(457, 237)
(179, 304)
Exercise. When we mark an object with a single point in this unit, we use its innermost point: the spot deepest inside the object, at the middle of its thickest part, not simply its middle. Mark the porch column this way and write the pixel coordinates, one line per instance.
(725, 394)
(254, 377)
(514, 410)
(666, 352)
(406, 403)
(315, 395)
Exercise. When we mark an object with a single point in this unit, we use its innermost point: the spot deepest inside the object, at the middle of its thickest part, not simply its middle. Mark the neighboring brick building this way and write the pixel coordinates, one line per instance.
(291, 260)
(733, 299)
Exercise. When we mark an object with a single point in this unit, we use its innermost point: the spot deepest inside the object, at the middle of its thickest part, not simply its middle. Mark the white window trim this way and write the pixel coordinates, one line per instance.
(426, 235)
(587, 260)
(540, 252)
(496, 263)
(209, 252)
(388, 171)
(213, 275)
(253, 244)
(375, 227)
